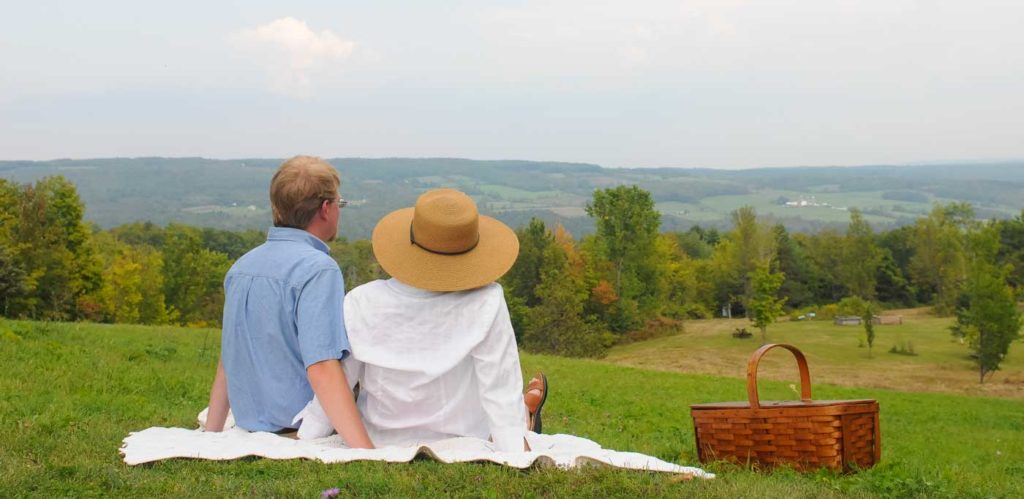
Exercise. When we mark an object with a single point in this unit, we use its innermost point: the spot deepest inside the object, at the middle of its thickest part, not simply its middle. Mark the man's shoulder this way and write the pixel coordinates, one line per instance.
(284, 260)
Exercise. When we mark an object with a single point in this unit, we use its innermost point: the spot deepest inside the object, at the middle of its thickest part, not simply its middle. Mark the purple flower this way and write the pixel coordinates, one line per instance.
(329, 493)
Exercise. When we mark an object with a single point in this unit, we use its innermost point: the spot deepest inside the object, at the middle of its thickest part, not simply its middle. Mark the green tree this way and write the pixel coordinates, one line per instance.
(557, 324)
(627, 228)
(51, 247)
(121, 295)
(722, 277)
(765, 307)
(1011, 248)
(804, 280)
(524, 277)
(826, 250)
(520, 283)
(697, 242)
(939, 263)
(860, 257)
(231, 243)
(356, 261)
(755, 241)
(679, 290)
(891, 283)
(867, 318)
(986, 316)
(12, 273)
(132, 290)
(193, 276)
(754, 245)
(153, 308)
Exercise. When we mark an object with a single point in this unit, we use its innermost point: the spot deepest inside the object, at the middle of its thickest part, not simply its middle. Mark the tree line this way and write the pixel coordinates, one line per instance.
(577, 297)
(629, 280)
(55, 266)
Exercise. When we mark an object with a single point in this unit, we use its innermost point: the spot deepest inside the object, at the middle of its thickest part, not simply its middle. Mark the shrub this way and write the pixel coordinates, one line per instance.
(851, 305)
(654, 328)
(903, 348)
(827, 312)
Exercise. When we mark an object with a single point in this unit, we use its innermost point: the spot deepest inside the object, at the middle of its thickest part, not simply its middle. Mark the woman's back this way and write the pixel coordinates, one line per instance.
(435, 365)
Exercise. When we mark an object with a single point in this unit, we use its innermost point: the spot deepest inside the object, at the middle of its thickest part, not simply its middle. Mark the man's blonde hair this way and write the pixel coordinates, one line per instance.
(299, 188)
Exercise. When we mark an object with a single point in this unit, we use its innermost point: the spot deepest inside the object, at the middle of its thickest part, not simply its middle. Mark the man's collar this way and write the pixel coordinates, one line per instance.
(298, 236)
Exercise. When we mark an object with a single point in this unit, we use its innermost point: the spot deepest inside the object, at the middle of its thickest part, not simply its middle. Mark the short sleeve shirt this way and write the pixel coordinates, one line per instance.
(282, 313)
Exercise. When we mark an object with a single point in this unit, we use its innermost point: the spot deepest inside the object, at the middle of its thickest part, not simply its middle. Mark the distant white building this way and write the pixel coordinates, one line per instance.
(807, 203)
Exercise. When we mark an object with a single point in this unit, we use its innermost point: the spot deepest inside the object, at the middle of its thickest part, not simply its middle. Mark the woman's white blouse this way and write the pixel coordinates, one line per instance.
(434, 365)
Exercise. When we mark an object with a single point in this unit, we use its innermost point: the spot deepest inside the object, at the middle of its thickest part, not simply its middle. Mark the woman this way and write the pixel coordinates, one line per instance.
(433, 349)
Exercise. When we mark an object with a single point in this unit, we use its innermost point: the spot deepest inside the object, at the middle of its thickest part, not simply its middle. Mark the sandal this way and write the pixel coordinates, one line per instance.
(535, 395)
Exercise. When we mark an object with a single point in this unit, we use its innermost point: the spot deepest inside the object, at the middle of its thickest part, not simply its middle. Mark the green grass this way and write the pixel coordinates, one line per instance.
(72, 392)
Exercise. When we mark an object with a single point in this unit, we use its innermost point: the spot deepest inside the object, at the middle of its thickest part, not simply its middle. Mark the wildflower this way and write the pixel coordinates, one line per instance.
(329, 493)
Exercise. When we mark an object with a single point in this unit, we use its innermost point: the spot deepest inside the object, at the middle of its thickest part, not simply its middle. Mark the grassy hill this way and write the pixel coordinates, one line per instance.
(232, 194)
(71, 392)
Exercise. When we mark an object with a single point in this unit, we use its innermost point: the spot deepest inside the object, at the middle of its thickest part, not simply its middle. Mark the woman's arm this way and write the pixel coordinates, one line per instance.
(219, 405)
(500, 380)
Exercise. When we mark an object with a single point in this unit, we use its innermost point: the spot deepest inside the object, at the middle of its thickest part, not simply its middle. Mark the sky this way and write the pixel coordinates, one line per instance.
(681, 83)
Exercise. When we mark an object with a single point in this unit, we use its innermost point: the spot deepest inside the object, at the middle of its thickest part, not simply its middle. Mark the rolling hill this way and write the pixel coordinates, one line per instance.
(232, 194)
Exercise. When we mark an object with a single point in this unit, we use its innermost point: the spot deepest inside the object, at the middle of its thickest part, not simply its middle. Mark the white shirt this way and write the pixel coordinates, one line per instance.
(435, 365)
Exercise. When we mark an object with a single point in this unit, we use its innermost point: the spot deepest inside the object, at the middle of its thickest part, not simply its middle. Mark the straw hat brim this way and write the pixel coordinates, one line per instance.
(492, 257)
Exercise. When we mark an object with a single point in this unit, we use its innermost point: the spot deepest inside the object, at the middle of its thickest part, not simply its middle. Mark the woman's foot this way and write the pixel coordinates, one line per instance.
(535, 395)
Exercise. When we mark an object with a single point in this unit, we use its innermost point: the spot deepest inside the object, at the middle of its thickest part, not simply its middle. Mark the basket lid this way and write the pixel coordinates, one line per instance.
(780, 404)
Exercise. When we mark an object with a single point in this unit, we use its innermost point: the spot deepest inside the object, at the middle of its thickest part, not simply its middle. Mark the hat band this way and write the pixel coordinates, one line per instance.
(412, 239)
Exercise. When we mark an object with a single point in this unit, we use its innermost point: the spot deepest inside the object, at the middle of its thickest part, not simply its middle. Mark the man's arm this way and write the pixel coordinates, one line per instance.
(219, 405)
(332, 389)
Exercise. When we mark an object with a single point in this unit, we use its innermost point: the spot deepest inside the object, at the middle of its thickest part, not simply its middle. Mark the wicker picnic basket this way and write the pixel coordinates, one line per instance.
(837, 434)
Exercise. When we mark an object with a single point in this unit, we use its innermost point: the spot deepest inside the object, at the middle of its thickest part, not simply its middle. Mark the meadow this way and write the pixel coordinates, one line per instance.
(836, 355)
(72, 391)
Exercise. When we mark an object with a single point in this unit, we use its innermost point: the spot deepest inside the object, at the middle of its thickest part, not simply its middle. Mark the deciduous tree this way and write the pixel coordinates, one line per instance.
(558, 324)
(627, 228)
(986, 316)
(939, 264)
(765, 306)
(860, 257)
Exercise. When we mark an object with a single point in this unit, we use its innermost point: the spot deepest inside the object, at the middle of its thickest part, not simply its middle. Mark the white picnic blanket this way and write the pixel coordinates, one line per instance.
(563, 451)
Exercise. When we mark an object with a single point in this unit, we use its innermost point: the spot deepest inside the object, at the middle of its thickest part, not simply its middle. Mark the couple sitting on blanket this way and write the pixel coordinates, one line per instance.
(431, 349)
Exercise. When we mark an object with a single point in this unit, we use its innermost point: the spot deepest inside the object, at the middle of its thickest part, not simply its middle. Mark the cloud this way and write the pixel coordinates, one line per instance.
(292, 54)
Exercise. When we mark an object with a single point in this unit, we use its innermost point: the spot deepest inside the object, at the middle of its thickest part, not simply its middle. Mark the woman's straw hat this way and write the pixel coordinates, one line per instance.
(444, 244)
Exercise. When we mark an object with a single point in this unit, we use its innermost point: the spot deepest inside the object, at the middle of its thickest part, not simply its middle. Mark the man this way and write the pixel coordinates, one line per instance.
(284, 332)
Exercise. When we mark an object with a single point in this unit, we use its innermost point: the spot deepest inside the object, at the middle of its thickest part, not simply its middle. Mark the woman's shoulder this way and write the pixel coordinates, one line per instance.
(366, 291)
(488, 291)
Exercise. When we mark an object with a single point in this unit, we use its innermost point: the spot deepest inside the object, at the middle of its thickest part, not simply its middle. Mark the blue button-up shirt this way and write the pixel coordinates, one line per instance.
(282, 313)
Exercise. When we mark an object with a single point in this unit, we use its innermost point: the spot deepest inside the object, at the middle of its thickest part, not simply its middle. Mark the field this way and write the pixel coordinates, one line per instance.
(71, 392)
(834, 210)
(835, 355)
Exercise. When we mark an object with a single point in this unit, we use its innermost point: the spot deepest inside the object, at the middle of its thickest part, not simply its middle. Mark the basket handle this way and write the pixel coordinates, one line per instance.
(805, 375)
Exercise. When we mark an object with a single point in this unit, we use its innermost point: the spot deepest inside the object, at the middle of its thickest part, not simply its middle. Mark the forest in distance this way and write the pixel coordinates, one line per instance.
(630, 279)
(232, 194)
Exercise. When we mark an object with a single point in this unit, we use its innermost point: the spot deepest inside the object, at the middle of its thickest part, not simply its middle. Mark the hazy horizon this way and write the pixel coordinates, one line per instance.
(994, 161)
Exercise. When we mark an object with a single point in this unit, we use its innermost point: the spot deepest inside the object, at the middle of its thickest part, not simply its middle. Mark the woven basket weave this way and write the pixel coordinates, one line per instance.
(837, 434)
